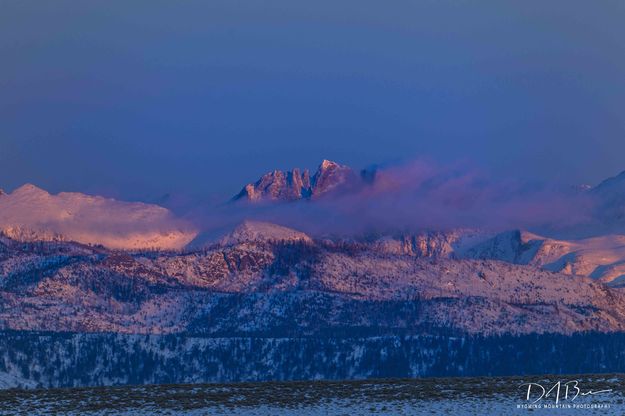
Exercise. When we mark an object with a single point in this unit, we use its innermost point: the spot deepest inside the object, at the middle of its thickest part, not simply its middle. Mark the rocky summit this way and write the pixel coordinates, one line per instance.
(295, 184)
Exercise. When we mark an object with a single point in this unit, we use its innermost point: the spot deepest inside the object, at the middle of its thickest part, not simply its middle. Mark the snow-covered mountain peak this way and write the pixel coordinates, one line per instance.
(330, 175)
(30, 213)
(610, 202)
(601, 258)
(29, 190)
(296, 184)
(327, 164)
(258, 231)
(611, 187)
(515, 246)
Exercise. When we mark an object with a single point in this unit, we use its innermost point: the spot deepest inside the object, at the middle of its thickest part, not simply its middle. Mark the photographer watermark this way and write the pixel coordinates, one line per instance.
(569, 394)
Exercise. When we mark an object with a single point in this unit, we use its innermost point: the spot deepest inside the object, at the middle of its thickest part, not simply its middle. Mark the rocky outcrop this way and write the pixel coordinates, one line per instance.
(295, 185)
(330, 176)
(278, 186)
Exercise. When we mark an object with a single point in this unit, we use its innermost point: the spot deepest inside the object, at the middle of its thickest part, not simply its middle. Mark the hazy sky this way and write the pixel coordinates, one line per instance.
(136, 99)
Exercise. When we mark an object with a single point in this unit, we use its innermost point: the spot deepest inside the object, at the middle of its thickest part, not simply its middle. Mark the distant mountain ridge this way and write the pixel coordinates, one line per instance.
(296, 185)
(262, 282)
(291, 287)
(601, 258)
(30, 213)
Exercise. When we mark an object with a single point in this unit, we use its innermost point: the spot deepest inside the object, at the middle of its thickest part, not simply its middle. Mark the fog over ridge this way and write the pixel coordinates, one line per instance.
(418, 195)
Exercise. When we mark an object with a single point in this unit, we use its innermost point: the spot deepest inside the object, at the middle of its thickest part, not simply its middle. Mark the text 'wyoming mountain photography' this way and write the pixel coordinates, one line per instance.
(287, 208)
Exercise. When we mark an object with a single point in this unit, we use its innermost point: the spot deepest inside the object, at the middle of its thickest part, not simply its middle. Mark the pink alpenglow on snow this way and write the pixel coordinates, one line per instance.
(295, 184)
(32, 214)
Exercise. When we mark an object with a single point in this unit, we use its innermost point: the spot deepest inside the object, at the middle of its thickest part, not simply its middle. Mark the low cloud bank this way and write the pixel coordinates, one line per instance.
(415, 196)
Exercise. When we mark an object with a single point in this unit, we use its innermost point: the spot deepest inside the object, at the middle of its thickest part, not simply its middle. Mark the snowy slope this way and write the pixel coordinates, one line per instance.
(258, 231)
(601, 258)
(609, 198)
(295, 289)
(30, 213)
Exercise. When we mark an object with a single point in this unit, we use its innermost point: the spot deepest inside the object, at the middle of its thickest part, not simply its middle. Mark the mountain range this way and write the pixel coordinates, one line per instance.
(79, 264)
(32, 214)
(267, 279)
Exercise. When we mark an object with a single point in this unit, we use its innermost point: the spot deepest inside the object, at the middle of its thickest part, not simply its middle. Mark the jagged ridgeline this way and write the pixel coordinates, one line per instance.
(270, 303)
(272, 281)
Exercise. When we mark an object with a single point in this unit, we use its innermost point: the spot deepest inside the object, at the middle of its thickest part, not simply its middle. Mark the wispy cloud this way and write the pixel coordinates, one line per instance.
(419, 195)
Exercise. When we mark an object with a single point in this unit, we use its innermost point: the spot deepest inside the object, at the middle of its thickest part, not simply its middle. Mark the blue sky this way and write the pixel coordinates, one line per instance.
(137, 99)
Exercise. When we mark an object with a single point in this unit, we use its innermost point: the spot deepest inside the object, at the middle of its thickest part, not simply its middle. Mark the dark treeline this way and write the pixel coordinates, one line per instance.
(38, 359)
